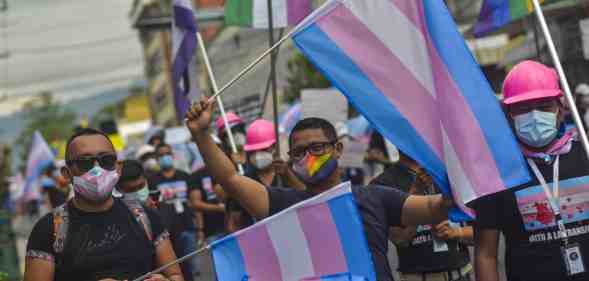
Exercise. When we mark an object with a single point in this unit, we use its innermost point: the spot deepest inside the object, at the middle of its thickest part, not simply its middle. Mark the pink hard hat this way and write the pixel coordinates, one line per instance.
(530, 80)
(260, 135)
(232, 119)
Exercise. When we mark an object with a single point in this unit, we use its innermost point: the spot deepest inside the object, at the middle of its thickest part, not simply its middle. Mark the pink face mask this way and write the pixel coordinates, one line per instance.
(96, 185)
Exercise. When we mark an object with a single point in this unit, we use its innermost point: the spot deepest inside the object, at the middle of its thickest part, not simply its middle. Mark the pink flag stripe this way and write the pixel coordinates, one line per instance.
(457, 118)
(259, 266)
(416, 104)
(326, 254)
(462, 127)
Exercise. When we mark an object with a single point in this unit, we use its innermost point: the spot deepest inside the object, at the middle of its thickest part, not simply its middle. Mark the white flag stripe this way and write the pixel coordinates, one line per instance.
(457, 176)
(279, 13)
(389, 24)
(291, 247)
(340, 190)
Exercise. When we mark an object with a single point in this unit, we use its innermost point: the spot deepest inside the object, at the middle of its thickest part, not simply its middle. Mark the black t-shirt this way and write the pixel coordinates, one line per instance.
(524, 216)
(420, 255)
(233, 206)
(380, 208)
(214, 221)
(174, 191)
(110, 244)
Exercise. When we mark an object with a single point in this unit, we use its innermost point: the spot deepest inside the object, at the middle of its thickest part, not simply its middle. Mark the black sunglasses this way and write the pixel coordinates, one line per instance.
(85, 164)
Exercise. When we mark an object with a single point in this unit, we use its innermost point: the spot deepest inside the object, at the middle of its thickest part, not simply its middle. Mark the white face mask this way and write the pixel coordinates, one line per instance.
(262, 160)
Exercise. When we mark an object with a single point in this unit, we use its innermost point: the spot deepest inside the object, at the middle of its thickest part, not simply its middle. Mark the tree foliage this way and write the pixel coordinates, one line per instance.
(302, 75)
(49, 117)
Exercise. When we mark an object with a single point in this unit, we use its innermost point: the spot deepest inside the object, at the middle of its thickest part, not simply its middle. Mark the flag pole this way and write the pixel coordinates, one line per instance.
(273, 57)
(253, 64)
(174, 262)
(211, 75)
(563, 79)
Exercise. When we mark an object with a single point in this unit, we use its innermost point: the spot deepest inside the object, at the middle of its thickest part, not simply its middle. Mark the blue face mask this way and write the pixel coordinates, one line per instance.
(166, 162)
(536, 128)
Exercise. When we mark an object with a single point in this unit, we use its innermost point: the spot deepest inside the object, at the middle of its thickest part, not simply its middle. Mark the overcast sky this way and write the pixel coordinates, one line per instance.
(74, 48)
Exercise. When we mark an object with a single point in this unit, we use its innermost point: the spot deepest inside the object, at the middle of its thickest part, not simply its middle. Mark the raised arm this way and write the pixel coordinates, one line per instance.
(252, 195)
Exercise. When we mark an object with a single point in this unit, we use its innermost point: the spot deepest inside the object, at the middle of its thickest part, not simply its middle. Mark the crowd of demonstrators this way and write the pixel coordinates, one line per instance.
(95, 236)
(173, 187)
(117, 220)
(543, 221)
(426, 252)
(314, 152)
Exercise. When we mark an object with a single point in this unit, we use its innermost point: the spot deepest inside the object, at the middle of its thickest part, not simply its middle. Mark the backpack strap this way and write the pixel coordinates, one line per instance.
(141, 216)
(60, 227)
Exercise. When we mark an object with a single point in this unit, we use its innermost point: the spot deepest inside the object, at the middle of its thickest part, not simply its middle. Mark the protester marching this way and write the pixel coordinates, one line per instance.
(411, 140)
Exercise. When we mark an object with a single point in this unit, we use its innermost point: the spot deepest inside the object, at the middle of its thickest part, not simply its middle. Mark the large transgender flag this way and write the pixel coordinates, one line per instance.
(40, 157)
(184, 44)
(404, 66)
(319, 239)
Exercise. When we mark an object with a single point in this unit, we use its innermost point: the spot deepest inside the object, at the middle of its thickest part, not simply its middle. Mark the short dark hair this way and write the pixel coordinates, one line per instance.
(131, 170)
(84, 132)
(314, 123)
(162, 145)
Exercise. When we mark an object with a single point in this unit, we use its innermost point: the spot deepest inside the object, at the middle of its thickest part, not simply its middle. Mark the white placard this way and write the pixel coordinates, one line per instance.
(328, 104)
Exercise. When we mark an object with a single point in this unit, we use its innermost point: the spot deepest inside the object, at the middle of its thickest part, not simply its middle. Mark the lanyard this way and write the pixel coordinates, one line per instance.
(553, 197)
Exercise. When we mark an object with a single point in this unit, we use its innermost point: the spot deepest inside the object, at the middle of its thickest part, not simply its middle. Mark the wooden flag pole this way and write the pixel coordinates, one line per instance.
(273, 82)
(205, 56)
(563, 79)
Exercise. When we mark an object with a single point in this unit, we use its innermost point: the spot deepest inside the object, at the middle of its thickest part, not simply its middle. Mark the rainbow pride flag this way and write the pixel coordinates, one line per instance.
(498, 13)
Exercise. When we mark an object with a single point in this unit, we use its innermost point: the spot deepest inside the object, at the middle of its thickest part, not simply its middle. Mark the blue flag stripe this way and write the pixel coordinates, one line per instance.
(347, 220)
(229, 263)
(478, 94)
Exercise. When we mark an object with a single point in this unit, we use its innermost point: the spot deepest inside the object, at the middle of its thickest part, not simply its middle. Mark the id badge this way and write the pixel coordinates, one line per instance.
(573, 259)
(178, 206)
(440, 246)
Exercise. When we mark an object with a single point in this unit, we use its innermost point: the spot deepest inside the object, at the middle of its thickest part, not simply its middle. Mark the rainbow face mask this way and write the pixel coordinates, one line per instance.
(315, 169)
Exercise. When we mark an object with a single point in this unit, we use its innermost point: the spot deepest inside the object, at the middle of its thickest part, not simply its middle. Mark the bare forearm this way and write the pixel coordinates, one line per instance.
(207, 207)
(431, 209)
(218, 164)
(465, 235)
(251, 194)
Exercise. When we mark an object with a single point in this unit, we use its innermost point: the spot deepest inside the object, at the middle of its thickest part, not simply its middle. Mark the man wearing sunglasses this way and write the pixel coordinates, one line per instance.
(315, 151)
(103, 239)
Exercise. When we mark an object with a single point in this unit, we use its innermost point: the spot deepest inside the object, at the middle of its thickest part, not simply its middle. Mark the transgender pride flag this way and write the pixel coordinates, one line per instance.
(183, 47)
(319, 239)
(40, 157)
(404, 65)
